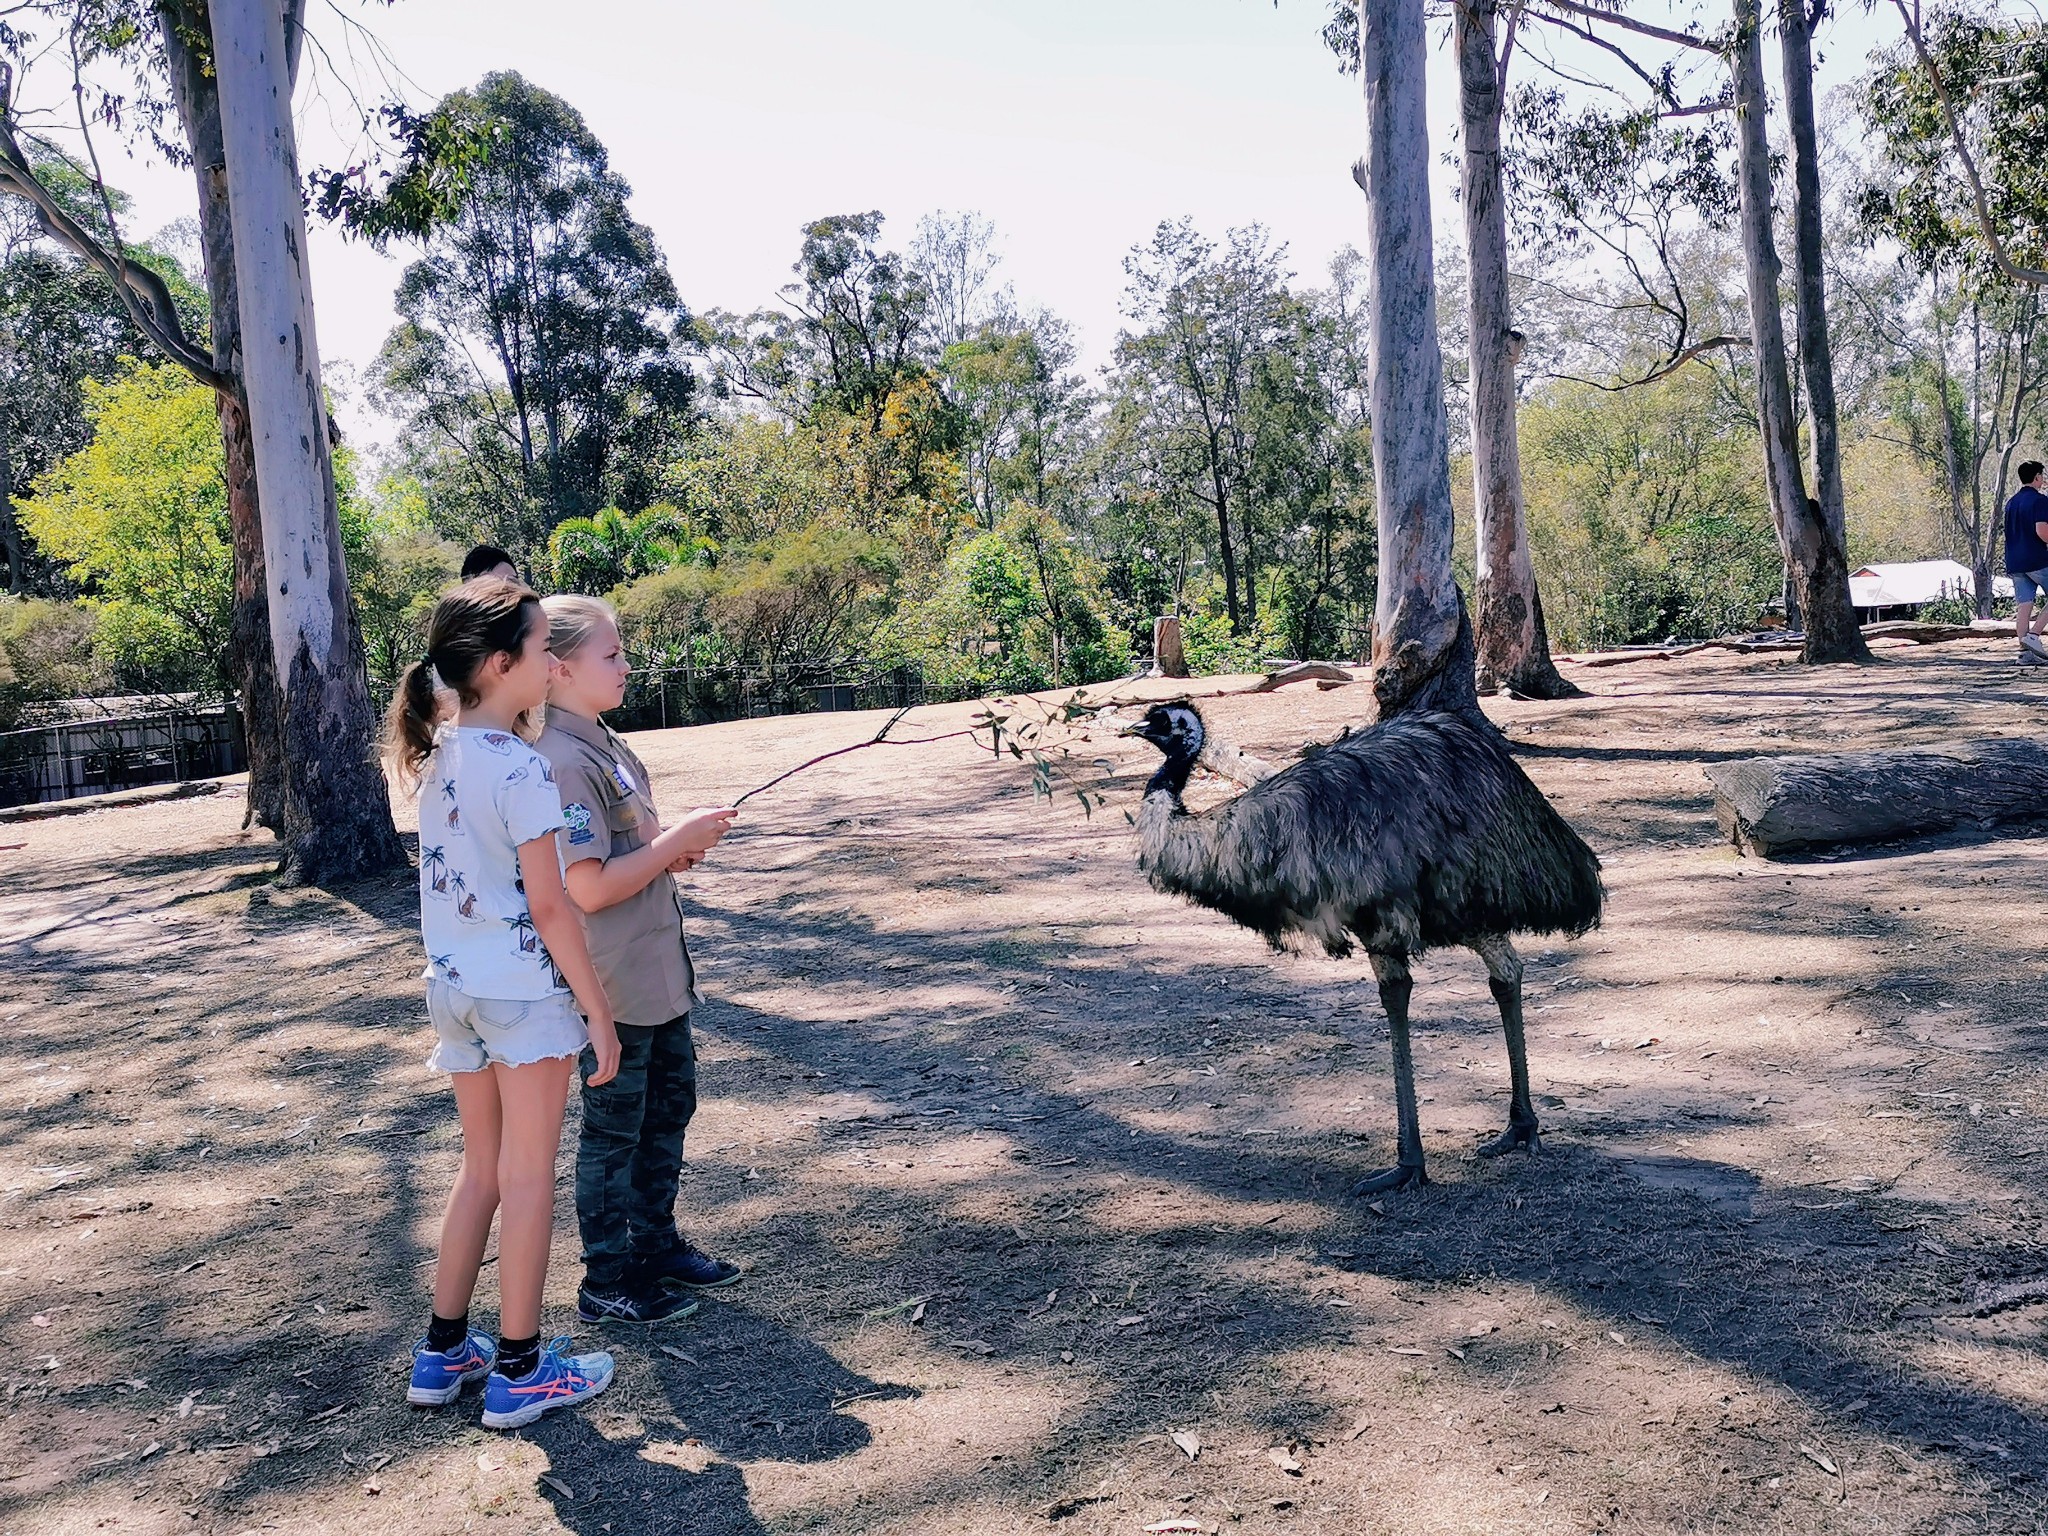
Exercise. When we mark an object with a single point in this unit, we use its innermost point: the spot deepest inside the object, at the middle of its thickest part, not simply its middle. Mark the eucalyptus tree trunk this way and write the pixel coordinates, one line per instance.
(1816, 360)
(1815, 562)
(1422, 641)
(184, 28)
(1513, 646)
(337, 812)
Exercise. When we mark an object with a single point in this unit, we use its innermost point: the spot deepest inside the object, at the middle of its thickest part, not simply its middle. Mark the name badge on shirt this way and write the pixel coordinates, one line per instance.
(619, 778)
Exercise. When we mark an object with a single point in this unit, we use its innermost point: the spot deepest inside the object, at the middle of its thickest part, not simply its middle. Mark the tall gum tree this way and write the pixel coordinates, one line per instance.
(1422, 640)
(337, 811)
(1809, 285)
(1513, 645)
(188, 56)
(1814, 555)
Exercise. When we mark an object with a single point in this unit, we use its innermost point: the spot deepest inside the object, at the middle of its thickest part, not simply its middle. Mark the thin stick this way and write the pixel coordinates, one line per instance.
(874, 741)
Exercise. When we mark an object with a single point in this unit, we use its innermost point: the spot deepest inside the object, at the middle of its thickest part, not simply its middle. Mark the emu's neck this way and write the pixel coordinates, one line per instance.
(1171, 777)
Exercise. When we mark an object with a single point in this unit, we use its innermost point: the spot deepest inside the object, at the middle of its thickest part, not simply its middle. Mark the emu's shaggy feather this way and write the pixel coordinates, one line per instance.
(1416, 833)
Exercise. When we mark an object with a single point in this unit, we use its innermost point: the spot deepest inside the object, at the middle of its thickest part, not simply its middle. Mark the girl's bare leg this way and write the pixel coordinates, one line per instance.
(531, 1098)
(466, 1225)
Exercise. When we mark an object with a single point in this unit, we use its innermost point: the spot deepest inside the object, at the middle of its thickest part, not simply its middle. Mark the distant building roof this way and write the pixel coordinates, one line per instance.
(1916, 581)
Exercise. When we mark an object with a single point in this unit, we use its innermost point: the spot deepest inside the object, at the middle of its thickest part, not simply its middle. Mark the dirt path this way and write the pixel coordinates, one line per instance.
(1033, 1171)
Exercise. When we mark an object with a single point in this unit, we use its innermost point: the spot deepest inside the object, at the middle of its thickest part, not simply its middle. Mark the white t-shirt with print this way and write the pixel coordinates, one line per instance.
(482, 794)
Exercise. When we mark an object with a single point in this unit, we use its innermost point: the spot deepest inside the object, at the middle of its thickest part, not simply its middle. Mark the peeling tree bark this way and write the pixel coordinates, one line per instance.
(198, 100)
(1814, 556)
(337, 811)
(1513, 646)
(1422, 642)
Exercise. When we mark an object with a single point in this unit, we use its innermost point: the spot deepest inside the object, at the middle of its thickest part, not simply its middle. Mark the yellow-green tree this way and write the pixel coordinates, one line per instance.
(139, 518)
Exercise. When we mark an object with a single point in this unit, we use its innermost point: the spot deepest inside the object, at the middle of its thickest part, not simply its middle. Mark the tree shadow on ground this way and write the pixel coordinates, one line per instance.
(1786, 1282)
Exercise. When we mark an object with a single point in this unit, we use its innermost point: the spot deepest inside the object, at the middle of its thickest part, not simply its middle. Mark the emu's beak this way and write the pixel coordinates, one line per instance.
(1136, 728)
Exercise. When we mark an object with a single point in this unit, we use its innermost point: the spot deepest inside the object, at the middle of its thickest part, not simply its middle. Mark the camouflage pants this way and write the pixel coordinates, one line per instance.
(631, 1153)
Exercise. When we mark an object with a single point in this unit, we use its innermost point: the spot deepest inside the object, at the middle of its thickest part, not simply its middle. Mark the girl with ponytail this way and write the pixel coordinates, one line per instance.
(507, 972)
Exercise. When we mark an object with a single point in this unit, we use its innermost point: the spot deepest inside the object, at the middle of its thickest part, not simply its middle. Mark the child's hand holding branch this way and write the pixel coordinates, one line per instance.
(684, 845)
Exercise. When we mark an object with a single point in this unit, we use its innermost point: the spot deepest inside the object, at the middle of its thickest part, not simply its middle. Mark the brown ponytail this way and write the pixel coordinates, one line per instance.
(475, 622)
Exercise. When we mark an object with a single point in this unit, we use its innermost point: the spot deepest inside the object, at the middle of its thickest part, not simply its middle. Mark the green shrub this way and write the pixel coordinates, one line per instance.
(47, 652)
(397, 579)
(665, 619)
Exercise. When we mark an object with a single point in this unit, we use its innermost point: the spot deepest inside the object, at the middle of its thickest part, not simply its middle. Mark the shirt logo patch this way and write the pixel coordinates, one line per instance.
(578, 819)
(619, 778)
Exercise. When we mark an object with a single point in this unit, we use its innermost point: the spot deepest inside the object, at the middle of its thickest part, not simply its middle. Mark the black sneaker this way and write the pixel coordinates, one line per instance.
(689, 1266)
(630, 1304)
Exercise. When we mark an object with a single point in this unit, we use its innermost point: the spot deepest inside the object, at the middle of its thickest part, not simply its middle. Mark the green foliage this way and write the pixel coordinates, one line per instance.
(1211, 646)
(139, 519)
(439, 155)
(60, 324)
(47, 652)
(1023, 415)
(1646, 512)
(539, 366)
(665, 619)
(818, 594)
(596, 554)
(1016, 609)
(1996, 70)
(397, 578)
(749, 479)
(814, 594)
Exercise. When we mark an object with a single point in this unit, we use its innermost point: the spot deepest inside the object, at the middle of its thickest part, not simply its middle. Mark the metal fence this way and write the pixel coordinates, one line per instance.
(658, 697)
(92, 756)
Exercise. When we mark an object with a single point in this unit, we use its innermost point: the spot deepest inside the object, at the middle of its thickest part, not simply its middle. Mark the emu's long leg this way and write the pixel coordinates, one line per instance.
(1395, 985)
(1504, 978)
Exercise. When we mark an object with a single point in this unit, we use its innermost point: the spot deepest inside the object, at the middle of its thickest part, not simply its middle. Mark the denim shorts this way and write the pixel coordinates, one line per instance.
(2028, 585)
(472, 1033)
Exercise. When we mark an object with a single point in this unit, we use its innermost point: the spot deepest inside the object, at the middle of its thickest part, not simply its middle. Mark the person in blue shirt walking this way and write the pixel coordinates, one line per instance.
(2026, 560)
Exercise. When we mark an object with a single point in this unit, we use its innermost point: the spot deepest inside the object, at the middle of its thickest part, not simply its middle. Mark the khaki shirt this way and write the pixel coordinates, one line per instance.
(636, 944)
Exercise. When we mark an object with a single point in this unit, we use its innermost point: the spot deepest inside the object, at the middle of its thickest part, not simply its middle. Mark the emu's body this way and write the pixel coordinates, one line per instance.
(1409, 835)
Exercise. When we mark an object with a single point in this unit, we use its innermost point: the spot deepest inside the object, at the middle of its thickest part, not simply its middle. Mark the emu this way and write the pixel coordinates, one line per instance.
(1408, 835)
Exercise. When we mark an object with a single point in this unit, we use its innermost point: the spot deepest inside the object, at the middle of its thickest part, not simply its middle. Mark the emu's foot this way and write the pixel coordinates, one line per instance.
(1520, 1133)
(1400, 1176)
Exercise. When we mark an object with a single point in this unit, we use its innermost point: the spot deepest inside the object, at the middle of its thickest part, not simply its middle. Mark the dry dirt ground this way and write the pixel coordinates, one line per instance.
(1039, 1177)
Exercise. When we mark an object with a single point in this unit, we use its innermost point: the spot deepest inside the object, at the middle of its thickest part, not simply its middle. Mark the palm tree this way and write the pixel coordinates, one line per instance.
(434, 865)
(596, 554)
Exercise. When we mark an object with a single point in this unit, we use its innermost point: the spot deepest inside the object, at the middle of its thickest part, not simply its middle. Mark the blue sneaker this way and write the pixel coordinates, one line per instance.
(438, 1377)
(556, 1382)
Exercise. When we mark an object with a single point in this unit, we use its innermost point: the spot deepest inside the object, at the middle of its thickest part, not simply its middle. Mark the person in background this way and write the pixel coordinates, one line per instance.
(489, 560)
(507, 973)
(484, 560)
(2026, 560)
(617, 863)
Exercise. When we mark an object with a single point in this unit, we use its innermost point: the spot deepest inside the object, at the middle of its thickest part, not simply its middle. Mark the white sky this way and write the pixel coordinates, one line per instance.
(1076, 125)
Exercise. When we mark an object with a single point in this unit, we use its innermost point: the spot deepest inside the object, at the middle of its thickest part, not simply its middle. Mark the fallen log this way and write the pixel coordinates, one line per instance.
(1301, 672)
(1742, 646)
(1936, 634)
(1749, 645)
(1771, 805)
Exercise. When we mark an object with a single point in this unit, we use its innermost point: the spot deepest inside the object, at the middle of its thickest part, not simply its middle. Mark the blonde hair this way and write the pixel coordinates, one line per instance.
(573, 619)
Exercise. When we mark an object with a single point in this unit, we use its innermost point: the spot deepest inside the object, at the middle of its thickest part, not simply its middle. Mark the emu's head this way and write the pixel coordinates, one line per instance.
(1175, 729)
